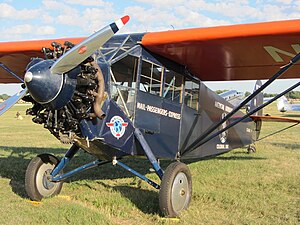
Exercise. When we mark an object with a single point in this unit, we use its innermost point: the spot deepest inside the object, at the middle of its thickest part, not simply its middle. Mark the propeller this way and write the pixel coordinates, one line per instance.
(6, 105)
(87, 47)
(53, 82)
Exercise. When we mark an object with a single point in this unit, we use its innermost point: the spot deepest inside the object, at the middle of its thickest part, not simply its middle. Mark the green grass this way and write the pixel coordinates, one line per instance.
(234, 188)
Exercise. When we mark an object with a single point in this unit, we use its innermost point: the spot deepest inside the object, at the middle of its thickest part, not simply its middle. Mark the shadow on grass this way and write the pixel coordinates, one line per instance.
(243, 155)
(292, 146)
(145, 200)
(240, 158)
(14, 162)
(291, 115)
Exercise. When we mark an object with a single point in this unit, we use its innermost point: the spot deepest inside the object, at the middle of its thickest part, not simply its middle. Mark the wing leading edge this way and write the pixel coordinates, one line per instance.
(237, 52)
(16, 55)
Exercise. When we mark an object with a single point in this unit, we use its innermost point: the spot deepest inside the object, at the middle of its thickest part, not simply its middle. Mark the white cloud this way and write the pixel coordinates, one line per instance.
(44, 30)
(54, 5)
(19, 29)
(160, 3)
(83, 17)
(9, 12)
(90, 3)
(284, 1)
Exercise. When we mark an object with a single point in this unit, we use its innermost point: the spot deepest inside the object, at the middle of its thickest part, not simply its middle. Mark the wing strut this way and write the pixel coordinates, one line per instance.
(11, 72)
(205, 136)
(279, 131)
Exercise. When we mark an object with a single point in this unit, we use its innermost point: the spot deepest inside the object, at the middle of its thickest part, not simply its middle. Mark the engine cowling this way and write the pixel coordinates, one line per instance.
(60, 102)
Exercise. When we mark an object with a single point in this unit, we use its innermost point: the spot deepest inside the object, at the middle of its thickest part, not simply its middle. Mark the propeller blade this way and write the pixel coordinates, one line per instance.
(7, 104)
(86, 48)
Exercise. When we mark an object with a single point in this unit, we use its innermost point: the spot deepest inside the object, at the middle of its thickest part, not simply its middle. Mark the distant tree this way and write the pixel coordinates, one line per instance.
(247, 93)
(267, 95)
(4, 96)
(294, 95)
(220, 91)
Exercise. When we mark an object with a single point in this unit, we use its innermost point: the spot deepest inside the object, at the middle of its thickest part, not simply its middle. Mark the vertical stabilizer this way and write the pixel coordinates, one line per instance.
(255, 102)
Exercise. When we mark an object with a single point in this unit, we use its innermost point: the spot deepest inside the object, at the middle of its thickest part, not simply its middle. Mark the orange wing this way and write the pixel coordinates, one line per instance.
(238, 52)
(16, 55)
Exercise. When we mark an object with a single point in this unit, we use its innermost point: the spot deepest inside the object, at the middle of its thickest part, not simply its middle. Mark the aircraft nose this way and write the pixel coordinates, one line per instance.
(42, 85)
(28, 77)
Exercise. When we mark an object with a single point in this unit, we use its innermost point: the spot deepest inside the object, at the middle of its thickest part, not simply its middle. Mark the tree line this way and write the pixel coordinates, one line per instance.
(291, 94)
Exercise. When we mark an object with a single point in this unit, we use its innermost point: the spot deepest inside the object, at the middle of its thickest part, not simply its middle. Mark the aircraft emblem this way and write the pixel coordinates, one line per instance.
(82, 50)
(117, 126)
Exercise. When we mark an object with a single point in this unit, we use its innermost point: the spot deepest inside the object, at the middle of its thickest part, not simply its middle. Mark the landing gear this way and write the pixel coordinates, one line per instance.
(37, 182)
(175, 190)
(251, 149)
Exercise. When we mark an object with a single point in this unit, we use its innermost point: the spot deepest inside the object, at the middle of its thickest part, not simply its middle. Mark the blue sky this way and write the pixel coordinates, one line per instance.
(26, 20)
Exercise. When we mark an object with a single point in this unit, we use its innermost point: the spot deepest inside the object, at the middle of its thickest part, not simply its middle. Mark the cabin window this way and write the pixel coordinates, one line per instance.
(191, 96)
(123, 83)
(151, 78)
(173, 86)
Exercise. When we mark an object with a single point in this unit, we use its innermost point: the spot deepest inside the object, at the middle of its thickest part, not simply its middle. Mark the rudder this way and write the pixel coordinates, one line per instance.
(255, 102)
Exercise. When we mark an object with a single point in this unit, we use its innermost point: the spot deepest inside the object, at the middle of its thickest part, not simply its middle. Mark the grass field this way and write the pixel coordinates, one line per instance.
(234, 188)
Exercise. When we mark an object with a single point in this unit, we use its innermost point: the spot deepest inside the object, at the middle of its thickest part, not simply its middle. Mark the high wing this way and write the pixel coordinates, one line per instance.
(16, 55)
(238, 52)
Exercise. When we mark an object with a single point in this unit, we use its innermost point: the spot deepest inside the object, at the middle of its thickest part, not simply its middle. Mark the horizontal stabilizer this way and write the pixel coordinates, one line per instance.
(275, 119)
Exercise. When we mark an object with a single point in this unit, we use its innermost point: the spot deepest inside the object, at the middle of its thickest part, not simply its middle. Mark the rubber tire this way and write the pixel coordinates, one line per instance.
(165, 193)
(251, 149)
(33, 169)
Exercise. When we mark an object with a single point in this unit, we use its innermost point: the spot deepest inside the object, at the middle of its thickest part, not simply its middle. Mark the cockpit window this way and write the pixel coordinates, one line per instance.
(173, 86)
(123, 83)
(191, 96)
(151, 78)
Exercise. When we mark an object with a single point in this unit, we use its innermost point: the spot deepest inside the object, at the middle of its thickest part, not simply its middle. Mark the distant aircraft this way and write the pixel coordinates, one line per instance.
(142, 94)
(236, 98)
(233, 97)
(283, 105)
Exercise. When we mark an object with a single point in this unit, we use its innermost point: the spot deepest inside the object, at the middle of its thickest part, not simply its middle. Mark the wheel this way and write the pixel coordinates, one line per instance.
(37, 184)
(251, 149)
(175, 190)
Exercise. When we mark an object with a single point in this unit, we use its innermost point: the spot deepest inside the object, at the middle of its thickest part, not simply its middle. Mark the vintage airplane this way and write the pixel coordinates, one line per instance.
(234, 97)
(143, 95)
(283, 105)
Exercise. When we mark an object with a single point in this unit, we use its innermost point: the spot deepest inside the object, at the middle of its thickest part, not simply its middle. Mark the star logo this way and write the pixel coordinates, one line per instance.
(117, 126)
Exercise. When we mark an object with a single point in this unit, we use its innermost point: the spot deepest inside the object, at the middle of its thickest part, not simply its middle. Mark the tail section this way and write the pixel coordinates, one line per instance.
(255, 102)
